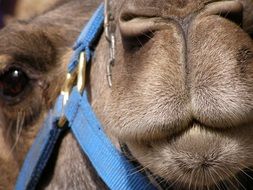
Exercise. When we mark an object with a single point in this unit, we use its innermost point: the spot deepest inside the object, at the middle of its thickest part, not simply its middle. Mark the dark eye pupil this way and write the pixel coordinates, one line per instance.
(13, 82)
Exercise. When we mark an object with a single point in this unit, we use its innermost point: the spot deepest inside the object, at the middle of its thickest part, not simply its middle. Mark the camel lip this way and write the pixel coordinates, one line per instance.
(204, 127)
(241, 181)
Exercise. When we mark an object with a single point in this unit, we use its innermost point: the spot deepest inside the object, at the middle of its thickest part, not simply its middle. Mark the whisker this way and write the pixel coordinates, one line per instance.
(210, 174)
(142, 169)
(139, 41)
(246, 167)
(237, 180)
(246, 174)
(16, 132)
(18, 129)
(191, 178)
(221, 179)
(175, 181)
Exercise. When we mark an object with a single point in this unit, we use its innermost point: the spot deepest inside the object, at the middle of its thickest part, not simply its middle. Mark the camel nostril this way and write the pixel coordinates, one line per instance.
(136, 30)
(231, 10)
(135, 22)
(136, 26)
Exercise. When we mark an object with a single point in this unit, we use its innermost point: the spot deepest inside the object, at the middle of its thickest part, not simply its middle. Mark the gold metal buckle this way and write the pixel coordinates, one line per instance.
(76, 77)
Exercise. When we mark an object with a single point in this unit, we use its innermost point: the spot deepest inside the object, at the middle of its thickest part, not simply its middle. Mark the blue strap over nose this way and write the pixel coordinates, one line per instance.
(112, 167)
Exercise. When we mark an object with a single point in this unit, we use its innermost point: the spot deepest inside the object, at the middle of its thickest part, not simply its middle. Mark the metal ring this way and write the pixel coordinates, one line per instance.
(76, 77)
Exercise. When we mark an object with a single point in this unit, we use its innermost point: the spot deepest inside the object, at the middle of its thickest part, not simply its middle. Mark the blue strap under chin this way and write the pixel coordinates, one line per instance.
(113, 168)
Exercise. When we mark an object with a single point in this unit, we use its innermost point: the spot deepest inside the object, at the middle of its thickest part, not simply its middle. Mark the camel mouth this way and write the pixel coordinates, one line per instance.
(217, 163)
(240, 181)
(198, 159)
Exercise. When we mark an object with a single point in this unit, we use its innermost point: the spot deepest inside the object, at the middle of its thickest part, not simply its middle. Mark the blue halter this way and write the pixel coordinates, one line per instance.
(113, 168)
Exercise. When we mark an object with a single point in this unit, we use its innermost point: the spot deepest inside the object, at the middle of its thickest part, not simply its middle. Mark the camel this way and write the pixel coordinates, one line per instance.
(180, 100)
(12, 10)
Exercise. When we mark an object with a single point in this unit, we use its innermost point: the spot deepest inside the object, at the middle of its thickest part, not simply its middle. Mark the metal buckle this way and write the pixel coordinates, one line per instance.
(76, 77)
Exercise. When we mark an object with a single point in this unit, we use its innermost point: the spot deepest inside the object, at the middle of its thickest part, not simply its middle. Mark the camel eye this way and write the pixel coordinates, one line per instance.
(13, 82)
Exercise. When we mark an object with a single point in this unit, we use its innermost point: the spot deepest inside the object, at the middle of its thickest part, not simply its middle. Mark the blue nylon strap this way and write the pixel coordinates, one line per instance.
(39, 155)
(87, 37)
(115, 170)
